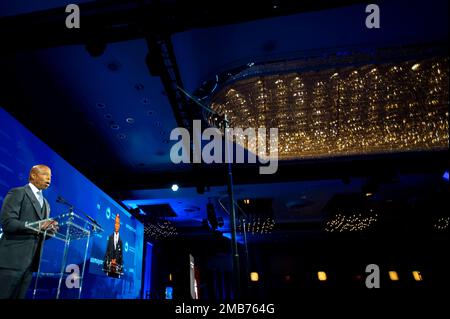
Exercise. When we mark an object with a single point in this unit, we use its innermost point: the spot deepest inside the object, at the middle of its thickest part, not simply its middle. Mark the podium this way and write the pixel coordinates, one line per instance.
(72, 227)
(113, 270)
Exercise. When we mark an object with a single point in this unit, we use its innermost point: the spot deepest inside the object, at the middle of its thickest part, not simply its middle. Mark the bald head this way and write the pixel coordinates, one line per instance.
(40, 176)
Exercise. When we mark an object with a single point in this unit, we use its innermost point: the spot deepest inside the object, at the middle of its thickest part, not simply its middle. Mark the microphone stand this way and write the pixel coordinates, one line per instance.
(234, 246)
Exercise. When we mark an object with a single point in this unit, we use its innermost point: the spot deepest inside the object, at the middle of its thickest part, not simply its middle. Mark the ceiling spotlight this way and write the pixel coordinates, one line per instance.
(175, 187)
(121, 136)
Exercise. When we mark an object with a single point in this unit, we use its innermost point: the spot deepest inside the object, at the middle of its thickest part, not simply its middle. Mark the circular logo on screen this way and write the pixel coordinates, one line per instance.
(108, 213)
(126, 246)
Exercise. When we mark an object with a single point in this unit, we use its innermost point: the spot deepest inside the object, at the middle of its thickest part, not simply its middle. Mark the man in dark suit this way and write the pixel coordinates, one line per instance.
(113, 261)
(20, 246)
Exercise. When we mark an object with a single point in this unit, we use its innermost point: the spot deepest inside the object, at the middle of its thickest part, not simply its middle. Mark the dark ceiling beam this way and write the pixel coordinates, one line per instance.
(161, 62)
(113, 21)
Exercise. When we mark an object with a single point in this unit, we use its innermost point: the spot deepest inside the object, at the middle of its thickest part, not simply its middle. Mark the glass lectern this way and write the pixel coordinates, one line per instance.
(72, 227)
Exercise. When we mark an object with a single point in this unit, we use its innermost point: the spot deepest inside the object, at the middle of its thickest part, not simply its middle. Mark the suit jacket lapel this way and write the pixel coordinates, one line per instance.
(34, 201)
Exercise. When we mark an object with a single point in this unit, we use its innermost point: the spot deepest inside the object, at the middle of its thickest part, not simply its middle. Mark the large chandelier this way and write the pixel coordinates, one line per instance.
(350, 109)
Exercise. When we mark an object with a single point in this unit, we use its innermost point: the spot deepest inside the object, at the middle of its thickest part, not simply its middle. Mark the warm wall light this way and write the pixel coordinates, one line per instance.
(170, 277)
(246, 201)
(322, 275)
(393, 275)
(254, 276)
(417, 275)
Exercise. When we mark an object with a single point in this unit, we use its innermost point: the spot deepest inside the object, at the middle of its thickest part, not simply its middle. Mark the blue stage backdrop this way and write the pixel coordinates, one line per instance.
(19, 151)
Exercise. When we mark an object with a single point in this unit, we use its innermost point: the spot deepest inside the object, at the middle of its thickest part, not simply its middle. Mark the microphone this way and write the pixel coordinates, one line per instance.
(63, 201)
(92, 220)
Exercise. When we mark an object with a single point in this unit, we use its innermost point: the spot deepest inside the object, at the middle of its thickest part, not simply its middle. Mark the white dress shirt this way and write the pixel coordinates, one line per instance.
(116, 239)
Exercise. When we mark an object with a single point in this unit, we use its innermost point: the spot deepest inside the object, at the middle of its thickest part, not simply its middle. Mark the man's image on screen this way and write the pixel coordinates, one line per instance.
(113, 261)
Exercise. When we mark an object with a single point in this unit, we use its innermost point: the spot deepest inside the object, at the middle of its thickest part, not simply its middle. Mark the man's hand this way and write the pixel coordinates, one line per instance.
(51, 226)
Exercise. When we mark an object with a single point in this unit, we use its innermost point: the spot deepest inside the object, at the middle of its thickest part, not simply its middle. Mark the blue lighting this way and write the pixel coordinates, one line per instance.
(148, 271)
(239, 238)
(445, 176)
(169, 292)
(136, 208)
(227, 235)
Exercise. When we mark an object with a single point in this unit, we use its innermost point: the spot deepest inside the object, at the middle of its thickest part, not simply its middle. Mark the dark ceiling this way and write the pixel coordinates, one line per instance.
(111, 115)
